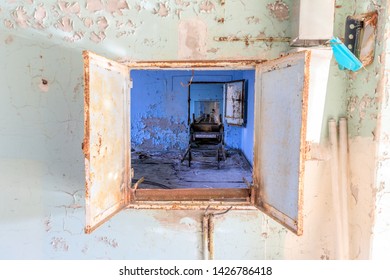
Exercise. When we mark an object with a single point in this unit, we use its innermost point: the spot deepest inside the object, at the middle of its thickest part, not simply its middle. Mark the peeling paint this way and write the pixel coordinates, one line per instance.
(182, 3)
(279, 10)
(39, 16)
(162, 10)
(97, 37)
(116, 6)
(65, 24)
(206, 6)
(109, 242)
(59, 244)
(69, 8)
(102, 23)
(76, 37)
(8, 24)
(362, 106)
(160, 133)
(88, 22)
(47, 224)
(253, 20)
(94, 5)
(21, 17)
(213, 50)
(192, 39)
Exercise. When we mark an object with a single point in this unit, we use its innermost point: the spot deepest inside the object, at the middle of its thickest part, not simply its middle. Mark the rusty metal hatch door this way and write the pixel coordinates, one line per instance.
(234, 102)
(280, 144)
(106, 144)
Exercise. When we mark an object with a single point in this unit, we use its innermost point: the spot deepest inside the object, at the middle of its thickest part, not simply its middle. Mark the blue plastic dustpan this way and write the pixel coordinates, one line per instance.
(344, 57)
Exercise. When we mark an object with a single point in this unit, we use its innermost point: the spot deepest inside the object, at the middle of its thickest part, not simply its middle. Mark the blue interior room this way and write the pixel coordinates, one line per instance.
(160, 108)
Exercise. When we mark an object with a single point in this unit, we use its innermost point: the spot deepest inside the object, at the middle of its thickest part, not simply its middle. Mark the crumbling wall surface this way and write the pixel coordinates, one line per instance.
(366, 112)
(148, 30)
(381, 229)
(41, 122)
(159, 107)
(41, 127)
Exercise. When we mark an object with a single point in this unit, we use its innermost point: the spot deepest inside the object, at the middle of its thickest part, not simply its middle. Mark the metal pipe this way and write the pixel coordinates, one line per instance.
(335, 187)
(344, 184)
(205, 232)
(211, 237)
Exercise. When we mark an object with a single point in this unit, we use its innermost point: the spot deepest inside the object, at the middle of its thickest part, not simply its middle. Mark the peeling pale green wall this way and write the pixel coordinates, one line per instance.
(150, 30)
(41, 128)
(41, 125)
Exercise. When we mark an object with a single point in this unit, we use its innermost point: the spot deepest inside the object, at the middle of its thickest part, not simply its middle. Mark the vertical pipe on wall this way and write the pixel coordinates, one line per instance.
(344, 184)
(205, 232)
(335, 188)
(211, 237)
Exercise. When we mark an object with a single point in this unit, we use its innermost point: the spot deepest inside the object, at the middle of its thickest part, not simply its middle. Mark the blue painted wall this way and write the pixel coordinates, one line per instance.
(247, 132)
(159, 108)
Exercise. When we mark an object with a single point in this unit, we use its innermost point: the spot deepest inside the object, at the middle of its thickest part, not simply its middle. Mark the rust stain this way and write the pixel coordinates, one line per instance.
(106, 165)
(249, 39)
(44, 85)
(86, 105)
(178, 220)
(220, 20)
(178, 64)
(279, 10)
(192, 194)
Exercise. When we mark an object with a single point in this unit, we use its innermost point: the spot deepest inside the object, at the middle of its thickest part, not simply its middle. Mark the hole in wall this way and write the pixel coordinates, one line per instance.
(161, 115)
(44, 85)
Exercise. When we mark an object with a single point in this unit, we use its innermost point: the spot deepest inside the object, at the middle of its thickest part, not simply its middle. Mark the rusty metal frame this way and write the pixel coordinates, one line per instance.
(216, 199)
(179, 198)
(195, 64)
(107, 65)
(192, 195)
(296, 227)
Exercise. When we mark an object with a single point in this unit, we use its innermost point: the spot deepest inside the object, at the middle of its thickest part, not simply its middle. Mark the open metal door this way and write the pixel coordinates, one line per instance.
(234, 102)
(280, 133)
(106, 144)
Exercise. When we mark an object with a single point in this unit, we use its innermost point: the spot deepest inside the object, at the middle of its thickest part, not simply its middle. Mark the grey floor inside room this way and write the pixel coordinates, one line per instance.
(164, 170)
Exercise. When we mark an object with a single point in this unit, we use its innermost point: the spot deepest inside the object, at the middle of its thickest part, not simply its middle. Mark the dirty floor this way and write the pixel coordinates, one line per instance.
(164, 170)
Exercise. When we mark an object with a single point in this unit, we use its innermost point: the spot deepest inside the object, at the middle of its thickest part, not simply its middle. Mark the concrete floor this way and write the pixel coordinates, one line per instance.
(164, 170)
